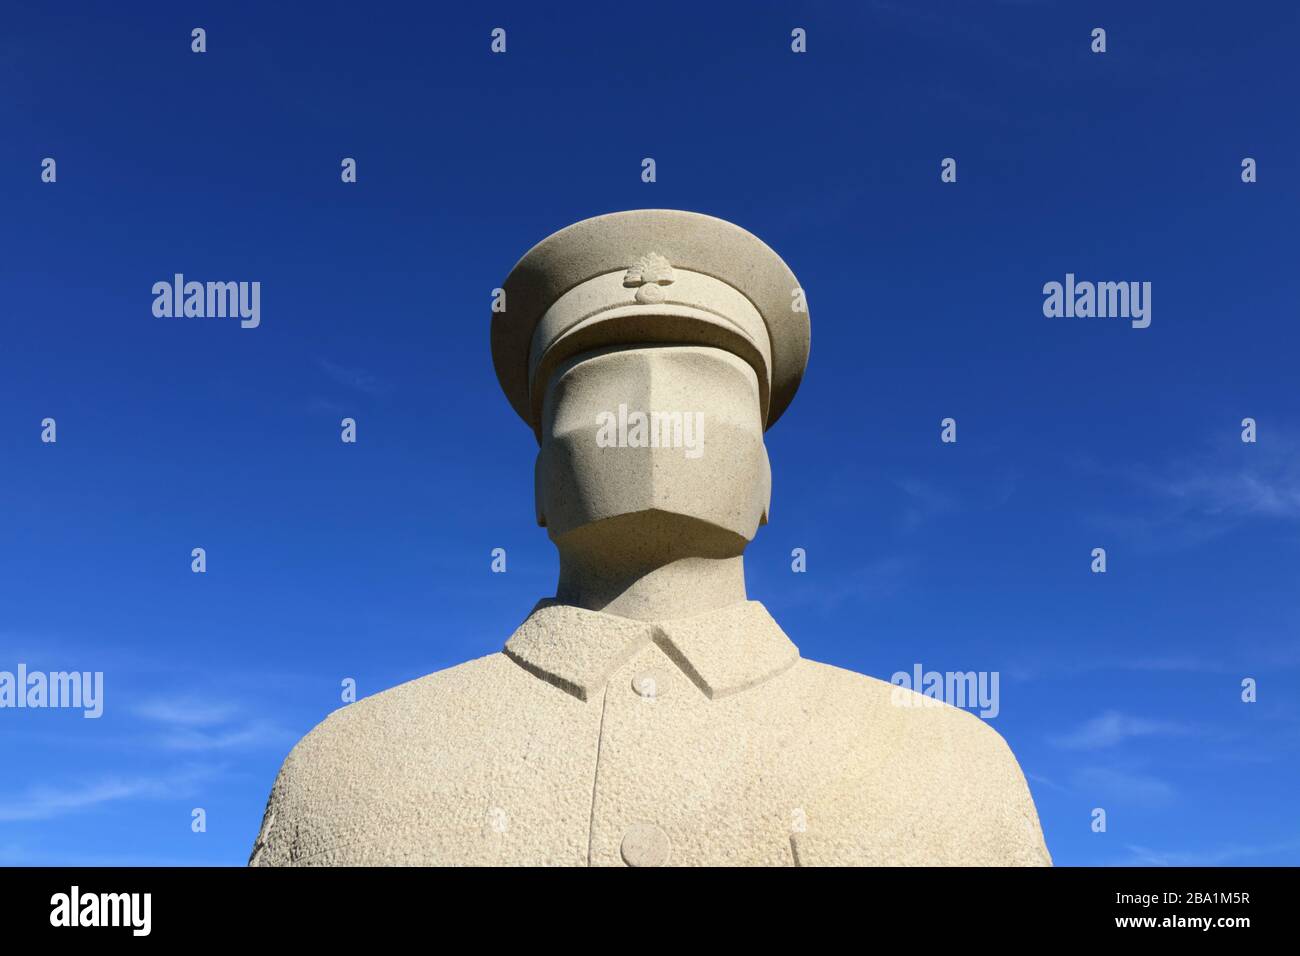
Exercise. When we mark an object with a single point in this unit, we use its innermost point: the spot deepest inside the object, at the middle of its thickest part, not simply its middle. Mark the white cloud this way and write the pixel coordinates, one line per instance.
(1222, 856)
(1200, 497)
(355, 378)
(1110, 783)
(190, 711)
(924, 502)
(196, 722)
(1044, 781)
(258, 733)
(1113, 728)
(45, 802)
(1251, 491)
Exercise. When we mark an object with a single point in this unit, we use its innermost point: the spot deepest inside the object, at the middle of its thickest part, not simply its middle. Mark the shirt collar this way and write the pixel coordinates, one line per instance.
(722, 652)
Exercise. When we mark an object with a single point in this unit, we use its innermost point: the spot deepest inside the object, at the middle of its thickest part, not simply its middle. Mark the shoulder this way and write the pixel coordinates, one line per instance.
(900, 715)
(433, 697)
(393, 754)
(374, 724)
(913, 780)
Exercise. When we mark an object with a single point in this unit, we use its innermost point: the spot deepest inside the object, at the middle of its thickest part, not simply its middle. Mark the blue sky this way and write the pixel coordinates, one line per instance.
(371, 561)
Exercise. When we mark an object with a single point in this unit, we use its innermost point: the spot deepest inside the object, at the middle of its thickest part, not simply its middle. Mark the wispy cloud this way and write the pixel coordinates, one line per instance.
(190, 711)
(258, 733)
(15, 854)
(355, 378)
(1248, 653)
(874, 581)
(1221, 856)
(1123, 786)
(1264, 490)
(1044, 781)
(924, 501)
(46, 802)
(1196, 499)
(195, 722)
(1113, 728)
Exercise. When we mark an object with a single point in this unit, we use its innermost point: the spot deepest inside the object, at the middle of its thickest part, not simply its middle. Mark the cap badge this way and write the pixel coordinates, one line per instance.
(648, 275)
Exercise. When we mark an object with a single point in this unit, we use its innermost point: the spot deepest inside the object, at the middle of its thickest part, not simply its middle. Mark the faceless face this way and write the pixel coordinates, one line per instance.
(661, 445)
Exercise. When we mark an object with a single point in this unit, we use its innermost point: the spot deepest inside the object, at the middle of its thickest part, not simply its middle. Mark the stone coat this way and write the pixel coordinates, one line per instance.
(593, 739)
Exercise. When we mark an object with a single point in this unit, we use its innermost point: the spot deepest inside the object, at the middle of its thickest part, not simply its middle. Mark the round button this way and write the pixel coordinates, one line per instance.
(650, 684)
(645, 844)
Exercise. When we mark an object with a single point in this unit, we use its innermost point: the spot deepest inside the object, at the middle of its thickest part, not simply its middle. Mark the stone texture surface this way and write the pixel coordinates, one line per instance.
(750, 755)
(581, 484)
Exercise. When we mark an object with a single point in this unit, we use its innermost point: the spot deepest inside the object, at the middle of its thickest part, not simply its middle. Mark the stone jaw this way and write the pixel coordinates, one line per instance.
(727, 486)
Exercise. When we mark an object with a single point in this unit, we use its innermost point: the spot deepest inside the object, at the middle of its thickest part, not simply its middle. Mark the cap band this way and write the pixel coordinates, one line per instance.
(690, 309)
(648, 277)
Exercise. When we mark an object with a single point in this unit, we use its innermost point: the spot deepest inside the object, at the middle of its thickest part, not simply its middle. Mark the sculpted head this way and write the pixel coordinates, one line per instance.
(650, 351)
(662, 443)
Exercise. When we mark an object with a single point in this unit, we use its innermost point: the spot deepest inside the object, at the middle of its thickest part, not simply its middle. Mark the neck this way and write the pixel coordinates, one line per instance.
(650, 590)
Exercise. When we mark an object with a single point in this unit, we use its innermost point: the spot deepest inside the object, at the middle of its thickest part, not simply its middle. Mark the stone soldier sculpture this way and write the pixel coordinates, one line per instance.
(649, 713)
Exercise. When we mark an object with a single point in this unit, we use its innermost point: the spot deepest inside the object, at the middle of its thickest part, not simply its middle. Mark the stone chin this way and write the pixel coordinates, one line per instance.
(689, 477)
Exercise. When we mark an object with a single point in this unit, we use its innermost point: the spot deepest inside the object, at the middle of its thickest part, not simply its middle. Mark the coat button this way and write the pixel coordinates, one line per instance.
(645, 844)
(650, 684)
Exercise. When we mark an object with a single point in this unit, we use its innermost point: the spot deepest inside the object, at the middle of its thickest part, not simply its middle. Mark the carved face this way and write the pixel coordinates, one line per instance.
(668, 440)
